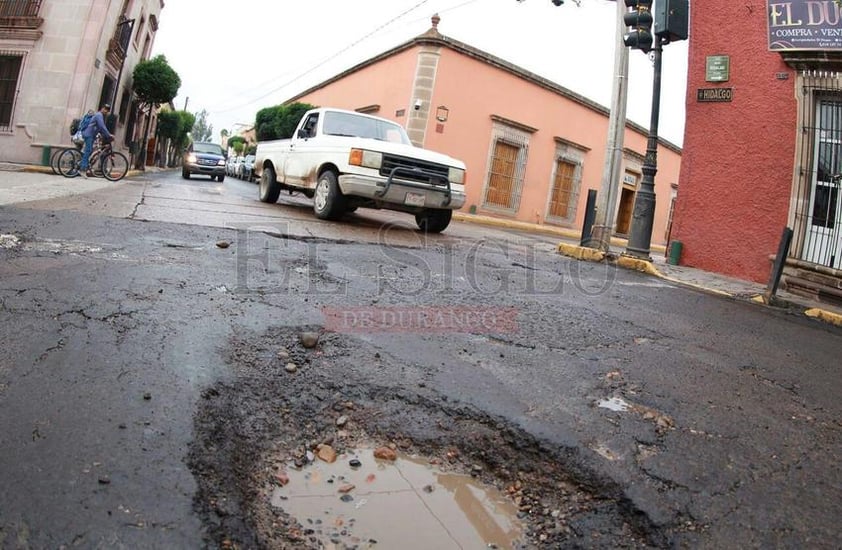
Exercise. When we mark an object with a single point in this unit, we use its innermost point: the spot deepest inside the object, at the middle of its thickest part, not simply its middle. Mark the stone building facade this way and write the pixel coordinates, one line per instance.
(60, 58)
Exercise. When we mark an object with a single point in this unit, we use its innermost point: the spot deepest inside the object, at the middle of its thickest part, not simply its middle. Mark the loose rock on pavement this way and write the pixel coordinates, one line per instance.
(385, 453)
(309, 339)
(326, 453)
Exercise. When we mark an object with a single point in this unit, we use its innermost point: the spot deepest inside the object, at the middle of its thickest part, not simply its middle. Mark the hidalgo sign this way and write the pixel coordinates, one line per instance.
(804, 25)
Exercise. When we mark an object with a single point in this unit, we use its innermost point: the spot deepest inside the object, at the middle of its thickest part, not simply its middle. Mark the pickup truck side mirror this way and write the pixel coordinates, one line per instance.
(303, 133)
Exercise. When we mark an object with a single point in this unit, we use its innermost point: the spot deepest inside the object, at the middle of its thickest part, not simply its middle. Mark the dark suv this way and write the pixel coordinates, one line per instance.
(204, 158)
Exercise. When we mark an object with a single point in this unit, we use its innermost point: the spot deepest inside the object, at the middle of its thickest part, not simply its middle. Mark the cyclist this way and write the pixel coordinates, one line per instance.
(95, 126)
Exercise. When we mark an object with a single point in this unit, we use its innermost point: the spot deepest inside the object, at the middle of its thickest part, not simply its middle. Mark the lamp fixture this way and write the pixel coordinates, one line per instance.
(441, 113)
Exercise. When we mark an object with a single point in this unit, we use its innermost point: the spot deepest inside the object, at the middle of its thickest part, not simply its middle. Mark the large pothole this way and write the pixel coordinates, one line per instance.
(258, 434)
(369, 497)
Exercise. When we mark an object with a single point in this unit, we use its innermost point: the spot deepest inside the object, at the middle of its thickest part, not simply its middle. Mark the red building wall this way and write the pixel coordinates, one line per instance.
(737, 166)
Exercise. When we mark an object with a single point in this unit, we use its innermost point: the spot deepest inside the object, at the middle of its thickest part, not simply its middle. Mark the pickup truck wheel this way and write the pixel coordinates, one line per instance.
(220, 178)
(269, 187)
(185, 173)
(433, 220)
(328, 201)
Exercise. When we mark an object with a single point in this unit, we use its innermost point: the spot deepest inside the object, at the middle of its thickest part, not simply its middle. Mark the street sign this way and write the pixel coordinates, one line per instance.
(714, 95)
(718, 68)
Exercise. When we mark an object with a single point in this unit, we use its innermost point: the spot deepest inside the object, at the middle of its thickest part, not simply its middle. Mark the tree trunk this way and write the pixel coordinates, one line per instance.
(141, 164)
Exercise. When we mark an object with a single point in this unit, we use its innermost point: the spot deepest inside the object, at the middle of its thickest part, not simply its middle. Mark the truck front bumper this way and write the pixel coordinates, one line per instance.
(399, 194)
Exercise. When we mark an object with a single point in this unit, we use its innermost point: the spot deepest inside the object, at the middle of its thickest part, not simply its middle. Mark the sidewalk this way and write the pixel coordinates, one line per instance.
(21, 183)
(712, 283)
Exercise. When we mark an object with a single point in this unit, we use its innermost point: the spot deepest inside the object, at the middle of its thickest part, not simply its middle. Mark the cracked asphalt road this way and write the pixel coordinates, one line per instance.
(117, 310)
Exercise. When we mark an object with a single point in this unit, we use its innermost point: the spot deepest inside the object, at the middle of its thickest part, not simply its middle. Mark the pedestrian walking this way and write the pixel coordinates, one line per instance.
(96, 126)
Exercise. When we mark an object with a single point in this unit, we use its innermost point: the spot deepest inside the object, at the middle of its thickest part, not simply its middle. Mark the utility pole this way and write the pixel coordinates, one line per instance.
(186, 99)
(607, 199)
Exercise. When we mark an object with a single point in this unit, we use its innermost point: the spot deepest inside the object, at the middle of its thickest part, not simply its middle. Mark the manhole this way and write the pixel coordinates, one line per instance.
(360, 501)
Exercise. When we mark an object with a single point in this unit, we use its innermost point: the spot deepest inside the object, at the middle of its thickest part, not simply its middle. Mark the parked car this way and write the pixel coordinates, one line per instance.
(235, 167)
(345, 160)
(204, 158)
(246, 168)
(229, 166)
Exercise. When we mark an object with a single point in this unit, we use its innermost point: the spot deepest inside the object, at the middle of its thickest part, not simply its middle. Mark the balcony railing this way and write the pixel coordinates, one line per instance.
(118, 46)
(20, 8)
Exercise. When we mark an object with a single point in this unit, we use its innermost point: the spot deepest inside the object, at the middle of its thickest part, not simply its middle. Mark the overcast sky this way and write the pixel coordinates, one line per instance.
(236, 57)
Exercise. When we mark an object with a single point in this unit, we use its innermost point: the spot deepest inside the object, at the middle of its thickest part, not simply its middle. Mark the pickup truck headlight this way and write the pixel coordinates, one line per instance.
(191, 158)
(220, 162)
(366, 159)
(456, 175)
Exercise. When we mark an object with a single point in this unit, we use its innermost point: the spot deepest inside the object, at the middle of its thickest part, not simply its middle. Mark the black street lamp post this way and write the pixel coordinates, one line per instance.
(643, 217)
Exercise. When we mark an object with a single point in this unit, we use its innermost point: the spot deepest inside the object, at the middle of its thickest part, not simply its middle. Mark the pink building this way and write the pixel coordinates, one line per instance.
(533, 148)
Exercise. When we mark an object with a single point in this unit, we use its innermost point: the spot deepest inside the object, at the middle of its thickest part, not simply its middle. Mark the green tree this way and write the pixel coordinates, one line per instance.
(154, 82)
(183, 139)
(280, 121)
(169, 128)
(235, 141)
(202, 131)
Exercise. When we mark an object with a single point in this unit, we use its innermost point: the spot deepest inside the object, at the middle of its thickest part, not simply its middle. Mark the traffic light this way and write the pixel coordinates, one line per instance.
(640, 22)
(671, 19)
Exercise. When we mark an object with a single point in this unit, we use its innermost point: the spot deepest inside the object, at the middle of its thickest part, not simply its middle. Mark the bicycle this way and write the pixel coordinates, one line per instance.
(104, 161)
(54, 158)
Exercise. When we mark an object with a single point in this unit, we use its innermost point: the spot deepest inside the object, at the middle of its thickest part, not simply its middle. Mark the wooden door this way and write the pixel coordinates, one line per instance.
(562, 194)
(501, 179)
(624, 214)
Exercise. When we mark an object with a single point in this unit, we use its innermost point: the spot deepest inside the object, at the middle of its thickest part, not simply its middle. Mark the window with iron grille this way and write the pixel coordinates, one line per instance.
(19, 8)
(817, 191)
(10, 65)
(506, 168)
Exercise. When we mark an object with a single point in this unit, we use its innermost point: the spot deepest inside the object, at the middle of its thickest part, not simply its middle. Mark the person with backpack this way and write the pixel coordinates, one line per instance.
(95, 125)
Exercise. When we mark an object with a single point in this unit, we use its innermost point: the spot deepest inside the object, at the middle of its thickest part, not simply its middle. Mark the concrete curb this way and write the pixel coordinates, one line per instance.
(643, 266)
(534, 228)
(581, 252)
(515, 224)
(33, 168)
(649, 268)
(824, 315)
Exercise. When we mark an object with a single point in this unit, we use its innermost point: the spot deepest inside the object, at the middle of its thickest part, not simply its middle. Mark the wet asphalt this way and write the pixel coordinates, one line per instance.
(117, 309)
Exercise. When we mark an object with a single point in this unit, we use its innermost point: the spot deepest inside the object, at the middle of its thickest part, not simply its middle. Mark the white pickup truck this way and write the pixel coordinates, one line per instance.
(345, 160)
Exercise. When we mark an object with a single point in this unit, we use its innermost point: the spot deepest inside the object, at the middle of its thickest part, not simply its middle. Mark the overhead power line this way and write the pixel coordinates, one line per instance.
(326, 60)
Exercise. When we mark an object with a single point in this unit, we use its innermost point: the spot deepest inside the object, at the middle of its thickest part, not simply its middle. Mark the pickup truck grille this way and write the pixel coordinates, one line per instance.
(392, 161)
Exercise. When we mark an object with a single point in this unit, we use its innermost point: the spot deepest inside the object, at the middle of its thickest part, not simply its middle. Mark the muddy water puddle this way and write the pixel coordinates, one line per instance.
(361, 502)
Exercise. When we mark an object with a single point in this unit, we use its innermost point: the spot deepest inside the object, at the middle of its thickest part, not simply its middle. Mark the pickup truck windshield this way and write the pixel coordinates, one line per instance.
(207, 148)
(347, 124)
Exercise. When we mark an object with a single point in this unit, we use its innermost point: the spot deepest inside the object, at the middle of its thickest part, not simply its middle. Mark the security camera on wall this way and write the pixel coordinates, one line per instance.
(417, 105)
